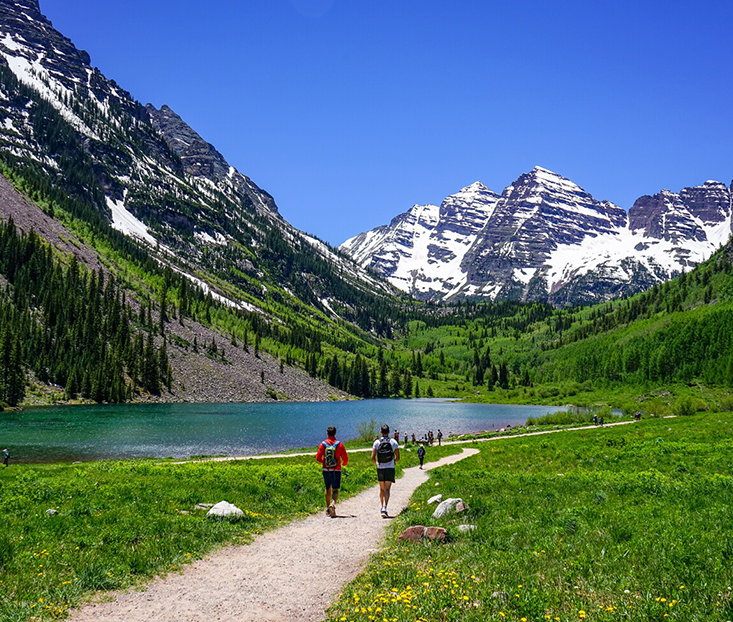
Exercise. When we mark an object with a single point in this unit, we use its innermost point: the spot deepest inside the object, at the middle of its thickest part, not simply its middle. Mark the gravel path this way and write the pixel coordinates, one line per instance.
(292, 573)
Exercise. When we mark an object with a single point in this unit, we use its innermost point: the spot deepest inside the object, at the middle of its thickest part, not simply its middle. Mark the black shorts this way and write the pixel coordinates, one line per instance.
(385, 475)
(332, 479)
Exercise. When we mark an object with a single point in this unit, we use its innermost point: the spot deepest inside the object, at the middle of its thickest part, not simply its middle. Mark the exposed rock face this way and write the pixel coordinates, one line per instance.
(421, 251)
(201, 159)
(152, 177)
(545, 238)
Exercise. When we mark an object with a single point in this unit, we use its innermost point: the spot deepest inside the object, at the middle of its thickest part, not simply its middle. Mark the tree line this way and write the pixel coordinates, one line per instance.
(71, 327)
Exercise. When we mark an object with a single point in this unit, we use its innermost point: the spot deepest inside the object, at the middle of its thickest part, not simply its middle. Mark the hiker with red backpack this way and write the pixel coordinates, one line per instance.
(332, 455)
(385, 452)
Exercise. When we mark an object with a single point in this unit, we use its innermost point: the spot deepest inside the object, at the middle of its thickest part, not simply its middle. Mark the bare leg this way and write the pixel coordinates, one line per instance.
(387, 486)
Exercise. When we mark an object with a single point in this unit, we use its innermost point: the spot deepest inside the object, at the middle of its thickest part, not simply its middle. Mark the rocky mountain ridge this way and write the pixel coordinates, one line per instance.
(152, 177)
(545, 238)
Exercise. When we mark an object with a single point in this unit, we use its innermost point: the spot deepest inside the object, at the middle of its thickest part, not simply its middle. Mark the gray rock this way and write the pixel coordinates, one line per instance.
(224, 509)
(51, 512)
(446, 507)
(466, 528)
(203, 506)
(435, 499)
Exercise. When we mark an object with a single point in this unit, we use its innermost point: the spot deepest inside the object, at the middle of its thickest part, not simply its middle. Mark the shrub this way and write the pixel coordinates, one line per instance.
(726, 404)
(367, 431)
(686, 406)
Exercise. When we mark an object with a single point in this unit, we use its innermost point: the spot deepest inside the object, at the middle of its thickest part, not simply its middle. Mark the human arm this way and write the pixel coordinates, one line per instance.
(396, 449)
(320, 453)
(341, 453)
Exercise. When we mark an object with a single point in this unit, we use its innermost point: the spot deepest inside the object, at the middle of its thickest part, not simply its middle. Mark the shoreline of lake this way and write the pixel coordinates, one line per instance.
(128, 431)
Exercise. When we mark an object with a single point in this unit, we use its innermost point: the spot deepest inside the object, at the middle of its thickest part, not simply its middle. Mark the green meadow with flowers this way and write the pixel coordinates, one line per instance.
(633, 522)
(117, 523)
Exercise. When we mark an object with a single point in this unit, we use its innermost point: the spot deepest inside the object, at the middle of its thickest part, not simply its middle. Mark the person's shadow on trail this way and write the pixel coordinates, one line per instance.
(355, 516)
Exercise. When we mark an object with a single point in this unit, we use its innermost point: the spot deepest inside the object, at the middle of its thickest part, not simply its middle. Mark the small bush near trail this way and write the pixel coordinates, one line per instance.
(571, 416)
(606, 524)
(687, 406)
(367, 431)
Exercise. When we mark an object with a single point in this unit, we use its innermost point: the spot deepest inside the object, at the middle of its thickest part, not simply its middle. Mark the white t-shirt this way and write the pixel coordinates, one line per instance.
(395, 445)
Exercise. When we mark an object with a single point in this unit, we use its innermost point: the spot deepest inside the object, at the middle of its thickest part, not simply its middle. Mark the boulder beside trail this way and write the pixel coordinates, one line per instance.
(448, 506)
(224, 509)
(466, 528)
(436, 533)
(418, 532)
(435, 499)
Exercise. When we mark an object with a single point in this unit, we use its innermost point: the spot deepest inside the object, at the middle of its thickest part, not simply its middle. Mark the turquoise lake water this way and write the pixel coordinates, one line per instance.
(70, 433)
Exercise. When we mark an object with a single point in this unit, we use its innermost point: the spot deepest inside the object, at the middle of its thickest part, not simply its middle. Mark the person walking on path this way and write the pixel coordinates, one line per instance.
(6, 457)
(332, 454)
(421, 454)
(440, 437)
(385, 453)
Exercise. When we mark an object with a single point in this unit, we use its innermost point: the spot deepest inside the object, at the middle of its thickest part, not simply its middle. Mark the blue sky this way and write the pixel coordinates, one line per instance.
(350, 111)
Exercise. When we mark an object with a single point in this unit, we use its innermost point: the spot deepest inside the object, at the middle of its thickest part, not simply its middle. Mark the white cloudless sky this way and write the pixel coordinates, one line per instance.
(350, 111)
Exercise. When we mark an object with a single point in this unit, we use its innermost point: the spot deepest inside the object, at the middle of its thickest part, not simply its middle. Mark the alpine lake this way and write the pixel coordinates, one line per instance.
(82, 433)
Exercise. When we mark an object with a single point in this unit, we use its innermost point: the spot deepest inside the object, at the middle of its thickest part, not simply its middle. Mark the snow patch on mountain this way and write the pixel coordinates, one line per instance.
(126, 222)
(540, 236)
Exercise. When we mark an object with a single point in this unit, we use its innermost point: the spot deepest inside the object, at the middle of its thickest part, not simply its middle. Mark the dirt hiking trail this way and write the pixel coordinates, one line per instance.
(292, 573)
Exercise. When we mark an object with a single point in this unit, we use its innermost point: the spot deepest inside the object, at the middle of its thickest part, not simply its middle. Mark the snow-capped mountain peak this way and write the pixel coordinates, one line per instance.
(545, 237)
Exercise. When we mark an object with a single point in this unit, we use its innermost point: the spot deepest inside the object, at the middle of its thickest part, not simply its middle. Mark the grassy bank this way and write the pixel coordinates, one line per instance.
(631, 522)
(118, 523)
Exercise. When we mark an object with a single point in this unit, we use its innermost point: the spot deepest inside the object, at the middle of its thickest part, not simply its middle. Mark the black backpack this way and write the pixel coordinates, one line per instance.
(385, 453)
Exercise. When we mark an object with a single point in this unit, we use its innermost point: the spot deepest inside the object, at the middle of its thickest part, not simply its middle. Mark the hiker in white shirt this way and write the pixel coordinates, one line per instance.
(385, 452)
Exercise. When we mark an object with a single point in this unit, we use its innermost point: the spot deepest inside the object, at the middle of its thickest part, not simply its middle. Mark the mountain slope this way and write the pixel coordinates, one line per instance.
(198, 247)
(545, 238)
(149, 175)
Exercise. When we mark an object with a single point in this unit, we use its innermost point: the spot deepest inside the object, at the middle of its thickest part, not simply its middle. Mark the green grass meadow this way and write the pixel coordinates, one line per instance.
(633, 522)
(121, 522)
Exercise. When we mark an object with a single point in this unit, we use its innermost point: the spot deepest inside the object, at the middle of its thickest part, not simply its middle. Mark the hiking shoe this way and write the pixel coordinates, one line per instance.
(384, 512)
(331, 510)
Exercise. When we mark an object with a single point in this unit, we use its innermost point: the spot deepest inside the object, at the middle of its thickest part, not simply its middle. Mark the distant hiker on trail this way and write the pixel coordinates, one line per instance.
(385, 452)
(440, 437)
(397, 436)
(332, 454)
(413, 438)
(430, 437)
(601, 420)
(595, 419)
(6, 457)
(421, 454)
